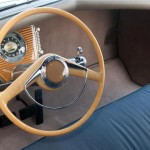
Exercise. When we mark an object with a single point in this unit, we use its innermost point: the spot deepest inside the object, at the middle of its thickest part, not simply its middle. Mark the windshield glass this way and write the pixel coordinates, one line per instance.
(5, 4)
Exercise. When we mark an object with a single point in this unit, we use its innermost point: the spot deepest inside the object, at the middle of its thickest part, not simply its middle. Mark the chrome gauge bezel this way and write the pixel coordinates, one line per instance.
(22, 44)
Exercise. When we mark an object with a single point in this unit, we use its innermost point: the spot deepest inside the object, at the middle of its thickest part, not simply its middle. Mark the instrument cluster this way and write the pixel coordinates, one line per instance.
(13, 47)
(18, 50)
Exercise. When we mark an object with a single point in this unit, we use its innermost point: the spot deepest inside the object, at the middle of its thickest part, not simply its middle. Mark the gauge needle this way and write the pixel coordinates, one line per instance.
(11, 50)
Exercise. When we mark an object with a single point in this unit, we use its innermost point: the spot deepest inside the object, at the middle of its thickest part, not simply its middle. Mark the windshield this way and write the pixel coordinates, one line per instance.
(6, 4)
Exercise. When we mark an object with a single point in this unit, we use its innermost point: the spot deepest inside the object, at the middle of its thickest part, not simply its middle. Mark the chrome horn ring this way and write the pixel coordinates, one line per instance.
(42, 72)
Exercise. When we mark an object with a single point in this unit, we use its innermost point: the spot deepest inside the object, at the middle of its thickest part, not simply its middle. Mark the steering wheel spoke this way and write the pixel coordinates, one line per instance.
(80, 71)
(18, 85)
(92, 75)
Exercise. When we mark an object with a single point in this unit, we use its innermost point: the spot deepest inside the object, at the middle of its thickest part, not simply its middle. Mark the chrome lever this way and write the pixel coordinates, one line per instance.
(79, 59)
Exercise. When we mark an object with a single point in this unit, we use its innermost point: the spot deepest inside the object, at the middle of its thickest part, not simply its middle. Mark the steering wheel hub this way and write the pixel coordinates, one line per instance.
(54, 72)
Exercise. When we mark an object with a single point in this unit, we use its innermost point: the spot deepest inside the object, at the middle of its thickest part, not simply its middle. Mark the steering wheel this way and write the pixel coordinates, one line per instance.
(38, 73)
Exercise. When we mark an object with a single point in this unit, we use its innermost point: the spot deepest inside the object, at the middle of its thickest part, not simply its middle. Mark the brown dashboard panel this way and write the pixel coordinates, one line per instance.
(29, 36)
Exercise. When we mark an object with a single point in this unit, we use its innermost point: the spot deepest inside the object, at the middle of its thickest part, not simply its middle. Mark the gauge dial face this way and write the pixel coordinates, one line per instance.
(13, 47)
(10, 47)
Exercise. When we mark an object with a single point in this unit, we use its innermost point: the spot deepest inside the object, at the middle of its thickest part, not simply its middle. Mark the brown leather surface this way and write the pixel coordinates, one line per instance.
(134, 44)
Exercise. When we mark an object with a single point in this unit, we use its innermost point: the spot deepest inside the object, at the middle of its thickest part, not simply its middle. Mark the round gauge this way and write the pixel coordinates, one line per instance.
(10, 47)
(13, 47)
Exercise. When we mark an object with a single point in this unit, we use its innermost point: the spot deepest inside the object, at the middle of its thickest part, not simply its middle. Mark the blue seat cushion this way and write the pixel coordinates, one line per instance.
(121, 125)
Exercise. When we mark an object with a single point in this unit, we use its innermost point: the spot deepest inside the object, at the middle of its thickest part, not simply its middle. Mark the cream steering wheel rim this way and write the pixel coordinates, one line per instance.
(7, 94)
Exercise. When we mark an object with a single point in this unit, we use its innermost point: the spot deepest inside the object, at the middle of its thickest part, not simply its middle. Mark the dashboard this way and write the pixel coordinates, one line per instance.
(18, 50)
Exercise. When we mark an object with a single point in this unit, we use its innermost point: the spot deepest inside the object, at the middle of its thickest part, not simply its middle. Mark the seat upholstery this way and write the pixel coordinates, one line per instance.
(121, 125)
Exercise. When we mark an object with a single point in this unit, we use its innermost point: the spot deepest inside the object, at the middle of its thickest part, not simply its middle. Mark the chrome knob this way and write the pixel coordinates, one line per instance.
(79, 59)
(80, 51)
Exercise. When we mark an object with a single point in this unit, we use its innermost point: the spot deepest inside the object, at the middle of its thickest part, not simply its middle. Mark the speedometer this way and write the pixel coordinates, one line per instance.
(13, 47)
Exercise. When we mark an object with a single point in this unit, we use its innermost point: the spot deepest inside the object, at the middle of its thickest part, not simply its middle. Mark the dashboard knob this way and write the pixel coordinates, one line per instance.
(22, 50)
(80, 51)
